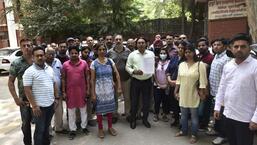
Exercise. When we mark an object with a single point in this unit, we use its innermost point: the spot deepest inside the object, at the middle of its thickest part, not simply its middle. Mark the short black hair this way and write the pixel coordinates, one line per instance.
(222, 40)
(38, 48)
(202, 39)
(24, 39)
(241, 36)
(85, 47)
(73, 47)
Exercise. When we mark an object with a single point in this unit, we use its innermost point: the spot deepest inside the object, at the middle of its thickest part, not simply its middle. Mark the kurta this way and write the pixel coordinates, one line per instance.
(105, 102)
(187, 79)
(75, 83)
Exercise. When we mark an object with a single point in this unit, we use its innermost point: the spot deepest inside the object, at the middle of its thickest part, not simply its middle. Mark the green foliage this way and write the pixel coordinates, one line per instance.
(56, 18)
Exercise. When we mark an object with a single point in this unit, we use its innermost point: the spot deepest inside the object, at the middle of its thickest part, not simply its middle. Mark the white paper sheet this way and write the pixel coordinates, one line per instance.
(148, 65)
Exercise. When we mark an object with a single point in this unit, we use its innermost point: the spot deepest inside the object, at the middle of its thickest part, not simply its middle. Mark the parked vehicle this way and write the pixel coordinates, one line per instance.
(254, 50)
(7, 56)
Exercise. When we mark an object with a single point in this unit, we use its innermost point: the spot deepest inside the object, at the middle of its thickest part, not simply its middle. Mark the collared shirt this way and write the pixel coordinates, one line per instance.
(216, 71)
(120, 60)
(57, 67)
(42, 82)
(17, 69)
(135, 62)
(238, 91)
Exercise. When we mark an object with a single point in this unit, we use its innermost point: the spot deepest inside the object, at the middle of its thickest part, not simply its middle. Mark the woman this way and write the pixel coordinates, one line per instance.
(176, 58)
(102, 70)
(190, 74)
(161, 86)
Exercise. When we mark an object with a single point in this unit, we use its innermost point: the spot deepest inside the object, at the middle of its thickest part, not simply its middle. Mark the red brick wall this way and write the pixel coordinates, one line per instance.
(226, 27)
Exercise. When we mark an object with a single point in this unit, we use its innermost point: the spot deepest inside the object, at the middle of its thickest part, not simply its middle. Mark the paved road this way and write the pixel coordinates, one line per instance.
(159, 134)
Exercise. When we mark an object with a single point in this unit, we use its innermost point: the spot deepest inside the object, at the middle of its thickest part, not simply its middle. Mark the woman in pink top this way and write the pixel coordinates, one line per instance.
(161, 86)
(75, 80)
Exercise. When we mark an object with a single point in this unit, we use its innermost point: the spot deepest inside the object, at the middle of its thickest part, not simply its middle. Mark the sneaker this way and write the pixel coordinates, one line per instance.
(219, 141)
(165, 118)
(86, 131)
(211, 132)
(155, 118)
(72, 135)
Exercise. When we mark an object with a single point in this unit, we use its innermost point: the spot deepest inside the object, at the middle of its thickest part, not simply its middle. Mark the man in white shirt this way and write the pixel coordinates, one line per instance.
(141, 82)
(238, 93)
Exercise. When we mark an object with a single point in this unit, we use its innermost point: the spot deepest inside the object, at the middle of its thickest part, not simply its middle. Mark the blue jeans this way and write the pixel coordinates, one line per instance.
(184, 120)
(41, 134)
(26, 117)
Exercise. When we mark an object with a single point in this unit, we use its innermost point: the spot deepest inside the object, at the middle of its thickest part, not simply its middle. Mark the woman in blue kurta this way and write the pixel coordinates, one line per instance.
(103, 88)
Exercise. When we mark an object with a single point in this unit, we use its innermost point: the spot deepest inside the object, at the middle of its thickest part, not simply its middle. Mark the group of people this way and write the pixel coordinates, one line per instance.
(173, 74)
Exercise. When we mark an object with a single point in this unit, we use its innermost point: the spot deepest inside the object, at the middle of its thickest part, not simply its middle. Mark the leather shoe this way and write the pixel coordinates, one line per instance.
(133, 124)
(147, 124)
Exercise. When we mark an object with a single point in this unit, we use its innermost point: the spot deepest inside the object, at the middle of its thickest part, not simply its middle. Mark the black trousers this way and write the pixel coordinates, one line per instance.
(219, 125)
(160, 97)
(238, 133)
(174, 104)
(138, 87)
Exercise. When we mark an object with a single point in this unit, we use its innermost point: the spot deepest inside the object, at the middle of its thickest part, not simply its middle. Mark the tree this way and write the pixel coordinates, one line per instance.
(252, 15)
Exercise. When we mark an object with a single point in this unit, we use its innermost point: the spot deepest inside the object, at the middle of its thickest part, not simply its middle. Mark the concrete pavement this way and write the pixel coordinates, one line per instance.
(159, 134)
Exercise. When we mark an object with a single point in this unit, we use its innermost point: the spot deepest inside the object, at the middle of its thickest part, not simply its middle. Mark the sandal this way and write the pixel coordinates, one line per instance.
(180, 133)
(112, 131)
(193, 139)
(101, 133)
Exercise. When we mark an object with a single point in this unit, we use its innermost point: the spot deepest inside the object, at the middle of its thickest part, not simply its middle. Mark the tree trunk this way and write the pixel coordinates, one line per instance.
(252, 18)
(193, 11)
(183, 17)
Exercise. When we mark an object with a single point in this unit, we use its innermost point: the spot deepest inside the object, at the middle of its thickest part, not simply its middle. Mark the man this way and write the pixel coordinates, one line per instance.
(183, 37)
(85, 50)
(131, 45)
(141, 82)
(61, 55)
(56, 66)
(205, 106)
(238, 93)
(108, 42)
(75, 89)
(17, 70)
(169, 46)
(41, 91)
(90, 44)
(70, 41)
(120, 54)
(220, 59)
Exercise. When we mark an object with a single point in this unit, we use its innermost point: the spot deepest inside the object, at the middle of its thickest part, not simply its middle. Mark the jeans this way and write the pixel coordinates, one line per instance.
(42, 123)
(26, 117)
(194, 120)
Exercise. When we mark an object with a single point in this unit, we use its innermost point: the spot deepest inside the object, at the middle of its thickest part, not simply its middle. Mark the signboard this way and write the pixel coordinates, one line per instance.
(223, 9)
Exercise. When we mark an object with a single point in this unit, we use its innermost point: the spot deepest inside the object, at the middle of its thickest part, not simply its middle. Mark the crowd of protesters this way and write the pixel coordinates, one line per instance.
(189, 81)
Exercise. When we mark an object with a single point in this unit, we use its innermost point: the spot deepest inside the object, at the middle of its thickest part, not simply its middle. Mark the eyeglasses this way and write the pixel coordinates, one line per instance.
(182, 38)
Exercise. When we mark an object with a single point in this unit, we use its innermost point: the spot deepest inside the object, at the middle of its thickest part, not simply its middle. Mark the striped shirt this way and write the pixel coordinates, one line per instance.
(42, 83)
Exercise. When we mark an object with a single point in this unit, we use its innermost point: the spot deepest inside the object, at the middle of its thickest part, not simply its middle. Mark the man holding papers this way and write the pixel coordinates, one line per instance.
(140, 65)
